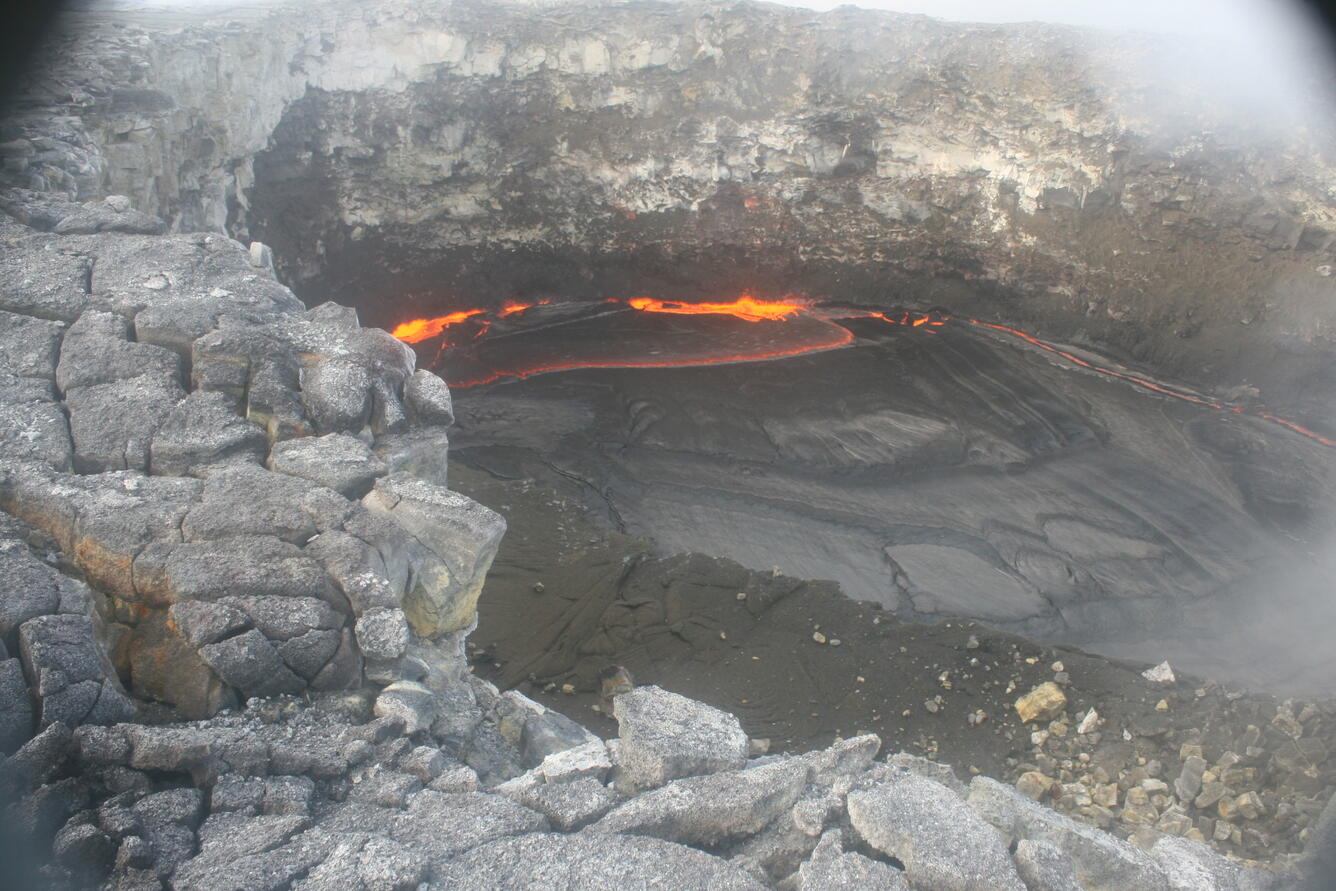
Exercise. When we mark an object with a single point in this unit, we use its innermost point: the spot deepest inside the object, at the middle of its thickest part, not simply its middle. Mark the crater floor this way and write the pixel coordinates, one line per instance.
(944, 471)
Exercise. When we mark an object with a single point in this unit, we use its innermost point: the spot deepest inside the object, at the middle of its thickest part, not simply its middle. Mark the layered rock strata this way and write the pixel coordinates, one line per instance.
(1120, 189)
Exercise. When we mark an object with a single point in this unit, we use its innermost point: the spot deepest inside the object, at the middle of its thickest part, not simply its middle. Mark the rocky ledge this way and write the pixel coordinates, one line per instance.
(222, 507)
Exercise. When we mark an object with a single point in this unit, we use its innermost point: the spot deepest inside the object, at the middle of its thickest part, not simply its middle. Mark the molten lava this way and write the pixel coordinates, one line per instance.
(824, 333)
(418, 330)
(745, 307)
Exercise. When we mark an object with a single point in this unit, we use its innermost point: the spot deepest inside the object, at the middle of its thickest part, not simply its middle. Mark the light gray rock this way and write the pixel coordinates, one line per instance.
(570, 805)
(384, 787)
(382, 633)
(425, 763)
(450, 541)
(182, 807)
(664, 736)
(28, 588)
(97, 350)
(284, 618)
(74, 680)
(776, 852)
(590, 862)
(232, 849)
(201, 623)
(357, 568)
(201, 433)
(32, 425)
(1194, 866)
(1188, 782)
(705, 810)
(100, 521)
(308, 654)
(344, 668)
(537, 730)
(108, 215)
(941, 842)
(112, 425)
(250, 663)
(422, 453)
(846, 758)
(343, 463)
(1101, 860)
(587, 760)
(35, 761)
(387, 412)
(427, 398)
(245, 566)
(134, 272)
(16, 711)
(29, 347)
(366, 864)
(249, 500)
(941, 773)
(1044, 868)
(337, 395)
(441, 826)
(831, 867)
(45, 284)
(455, 780)
(410, 702)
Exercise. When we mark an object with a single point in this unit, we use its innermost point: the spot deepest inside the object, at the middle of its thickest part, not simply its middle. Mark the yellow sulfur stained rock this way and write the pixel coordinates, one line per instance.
(1042, 703)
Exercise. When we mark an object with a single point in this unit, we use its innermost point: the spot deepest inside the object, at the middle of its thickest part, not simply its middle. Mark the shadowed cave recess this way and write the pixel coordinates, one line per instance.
(1056, 355)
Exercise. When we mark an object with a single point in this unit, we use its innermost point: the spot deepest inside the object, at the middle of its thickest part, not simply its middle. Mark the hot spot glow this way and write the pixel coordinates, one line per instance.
(745, 307)
(418, 330)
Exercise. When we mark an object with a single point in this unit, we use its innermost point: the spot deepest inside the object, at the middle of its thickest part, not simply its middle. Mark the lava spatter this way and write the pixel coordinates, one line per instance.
(418, 330)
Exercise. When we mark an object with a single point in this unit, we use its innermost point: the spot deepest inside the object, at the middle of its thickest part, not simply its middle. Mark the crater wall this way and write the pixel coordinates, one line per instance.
(410, 156)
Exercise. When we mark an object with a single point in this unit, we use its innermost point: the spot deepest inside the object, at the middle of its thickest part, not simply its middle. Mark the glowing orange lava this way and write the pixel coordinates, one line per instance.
(842, 338)
(789, 307)
(418, 330)
(745, 307)
(514, 307)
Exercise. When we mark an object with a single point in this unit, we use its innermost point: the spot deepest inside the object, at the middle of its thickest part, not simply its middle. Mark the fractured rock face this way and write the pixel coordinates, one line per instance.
(201, 433)
(113, 424)
(942, 843)
(665, 736)
(73, 679)
(343, 463)
(449, 538)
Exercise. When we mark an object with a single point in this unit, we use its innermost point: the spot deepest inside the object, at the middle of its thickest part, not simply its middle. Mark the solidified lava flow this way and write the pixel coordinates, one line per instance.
(810, 328)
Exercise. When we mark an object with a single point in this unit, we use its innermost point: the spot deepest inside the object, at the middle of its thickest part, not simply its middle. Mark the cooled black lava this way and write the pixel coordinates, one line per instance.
(951, 470)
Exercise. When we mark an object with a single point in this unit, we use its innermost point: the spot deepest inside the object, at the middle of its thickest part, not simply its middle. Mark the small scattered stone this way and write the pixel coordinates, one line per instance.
(1042, 703)
(1160, 674)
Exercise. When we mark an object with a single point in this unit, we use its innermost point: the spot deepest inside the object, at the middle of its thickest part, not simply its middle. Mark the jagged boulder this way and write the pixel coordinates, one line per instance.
(941, 842)
(664, 736)
(343, 463)
(703, 811)
(831, 867)
(1101, 860)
